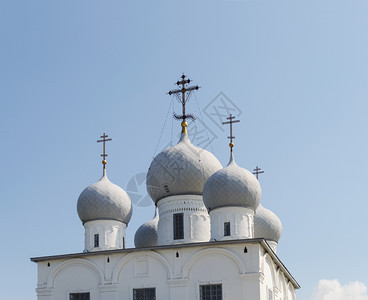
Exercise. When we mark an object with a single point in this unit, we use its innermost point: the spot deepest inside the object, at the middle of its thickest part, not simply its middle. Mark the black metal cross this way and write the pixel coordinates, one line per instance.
(257, 171)
(183, 100)
(231, 137)
(104, 140)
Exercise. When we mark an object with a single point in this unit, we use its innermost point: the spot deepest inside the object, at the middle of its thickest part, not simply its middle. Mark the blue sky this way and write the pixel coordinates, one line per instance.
(296, 70)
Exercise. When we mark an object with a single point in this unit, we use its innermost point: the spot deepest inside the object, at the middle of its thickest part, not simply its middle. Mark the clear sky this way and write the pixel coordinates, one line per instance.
(295, 72)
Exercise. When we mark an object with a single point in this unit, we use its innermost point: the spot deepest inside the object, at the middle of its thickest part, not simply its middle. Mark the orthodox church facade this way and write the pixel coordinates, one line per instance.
(210, 238)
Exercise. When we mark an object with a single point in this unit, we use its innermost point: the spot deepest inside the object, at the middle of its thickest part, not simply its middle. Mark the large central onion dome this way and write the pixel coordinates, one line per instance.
(232, 186)
(180, 170)
(267, 225)
(104, 200)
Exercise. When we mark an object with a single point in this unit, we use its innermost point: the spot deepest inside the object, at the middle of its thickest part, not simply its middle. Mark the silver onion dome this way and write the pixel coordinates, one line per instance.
(180, 170)
(104, 200)
(146, 235)
(267, 225)
(232, 186)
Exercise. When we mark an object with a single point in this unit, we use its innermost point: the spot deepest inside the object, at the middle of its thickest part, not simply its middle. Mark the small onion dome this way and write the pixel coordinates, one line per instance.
(104, 200)
(180, 170)
(267, 225)
(232, 186)
(146, 235)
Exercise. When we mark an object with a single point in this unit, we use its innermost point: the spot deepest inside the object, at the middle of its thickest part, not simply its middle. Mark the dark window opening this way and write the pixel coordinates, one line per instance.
(97, 240)
(178, 226)
(210, 292)
(227, 229)
(79, 296)
(144, 294)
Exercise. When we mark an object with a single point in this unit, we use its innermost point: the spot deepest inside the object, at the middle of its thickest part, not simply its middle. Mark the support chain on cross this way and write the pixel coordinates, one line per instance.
(104, 155)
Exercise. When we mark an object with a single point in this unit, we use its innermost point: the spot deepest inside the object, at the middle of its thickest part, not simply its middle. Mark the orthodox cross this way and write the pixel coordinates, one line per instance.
(231, 137)
(104, 155)
(257, 171)
(183, 95)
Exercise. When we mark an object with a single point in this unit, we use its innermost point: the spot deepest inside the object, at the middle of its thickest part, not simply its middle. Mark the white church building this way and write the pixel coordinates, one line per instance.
(210, 238)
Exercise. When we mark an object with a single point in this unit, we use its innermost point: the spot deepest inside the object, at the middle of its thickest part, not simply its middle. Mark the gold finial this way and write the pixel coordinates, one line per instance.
(104, 155)
(183, 95)
(231, 137)
(184, 126)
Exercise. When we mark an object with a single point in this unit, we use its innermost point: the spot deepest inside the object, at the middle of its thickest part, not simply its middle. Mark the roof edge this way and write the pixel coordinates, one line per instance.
(260, 241)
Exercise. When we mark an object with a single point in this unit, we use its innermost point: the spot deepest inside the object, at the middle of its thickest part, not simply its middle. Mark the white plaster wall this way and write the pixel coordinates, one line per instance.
(176, 273)
(290, 292)
(196, 219)
(283, 284)
(111, 235)
(275, 280)
(241, 223)
(142, 271)
(212, 269)
(75, 278)
(268, 282)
